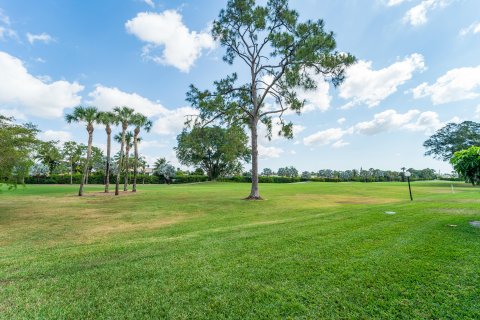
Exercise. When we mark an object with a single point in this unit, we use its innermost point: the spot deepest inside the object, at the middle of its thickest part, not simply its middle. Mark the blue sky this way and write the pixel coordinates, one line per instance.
(418, 68)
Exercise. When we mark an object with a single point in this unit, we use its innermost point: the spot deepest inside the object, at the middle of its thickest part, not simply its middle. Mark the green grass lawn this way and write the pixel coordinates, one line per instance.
(312, 250)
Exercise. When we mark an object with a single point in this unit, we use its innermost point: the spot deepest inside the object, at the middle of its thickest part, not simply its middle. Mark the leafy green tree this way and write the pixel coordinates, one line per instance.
(467, 164)
(280, 54)
(72, 153)
(267, 172)
(452, 138)
(164, 169)
(124, 116)
(89, 115)
(39, 170)
(216, 150)
(17, 143)
(140, 122)
(49, 154)
(306, 175)
(108, 119)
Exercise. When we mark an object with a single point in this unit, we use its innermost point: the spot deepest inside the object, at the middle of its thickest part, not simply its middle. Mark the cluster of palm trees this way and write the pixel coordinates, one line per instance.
(123, 116)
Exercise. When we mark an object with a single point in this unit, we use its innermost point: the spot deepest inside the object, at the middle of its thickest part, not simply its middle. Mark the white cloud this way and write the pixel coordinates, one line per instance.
(392, 3)
(5, 30)
(325, 137)
(180, 46)
(106, 98)
(150, 3)
(473, 29)
(417, 15)
(22, 91)
(341, 120)
(173, 121)
(62, 136)
(340, 144)
(269, 152)
(385, 121)
(455, 85)
(43, 37)
(318, 99)
(18, 115)
(388, 120)
(367, 86)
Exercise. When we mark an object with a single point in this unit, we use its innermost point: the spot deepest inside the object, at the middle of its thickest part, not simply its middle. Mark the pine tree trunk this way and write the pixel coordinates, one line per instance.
(135, 145)
(107, 166)
(254, 193)
(89, 152)
(117, 184)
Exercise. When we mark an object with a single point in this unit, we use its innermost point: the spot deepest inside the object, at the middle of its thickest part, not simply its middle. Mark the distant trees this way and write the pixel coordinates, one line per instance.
(17, 142)
(164, 169)
(290, 172)
(49, 154)
(280, 55)
(267, 172)
(217, 151)
(467, 164)
(452, 138)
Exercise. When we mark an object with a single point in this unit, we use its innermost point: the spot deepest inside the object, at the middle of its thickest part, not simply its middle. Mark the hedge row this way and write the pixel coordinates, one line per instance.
(99, 179)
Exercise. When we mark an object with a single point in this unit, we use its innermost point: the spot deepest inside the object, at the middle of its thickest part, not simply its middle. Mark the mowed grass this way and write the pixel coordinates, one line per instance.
(312, 250)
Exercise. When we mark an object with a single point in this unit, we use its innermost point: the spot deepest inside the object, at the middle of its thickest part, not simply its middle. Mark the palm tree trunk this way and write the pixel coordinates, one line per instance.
(254, 193)
(125, 184)
(107, 166)
(117, 184)
(135, 146)
(89, 152)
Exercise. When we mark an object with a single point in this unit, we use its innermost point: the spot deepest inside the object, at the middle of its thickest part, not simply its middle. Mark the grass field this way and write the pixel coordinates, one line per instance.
(312, 250)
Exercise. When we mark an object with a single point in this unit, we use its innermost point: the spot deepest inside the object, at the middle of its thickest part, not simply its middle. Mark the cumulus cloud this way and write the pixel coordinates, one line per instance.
(325, 137)
(18, 115)
(455, 85)
(166, 32)
(43, 37)
(341, 120)
(363, 85)
(385, 121)
(417, 15)
(388, 120)
(392, 3)
(61, 136)
(318, 99)
(173, 121)
(269, 152)
(22, 91)
(106, 98)
(474, 28)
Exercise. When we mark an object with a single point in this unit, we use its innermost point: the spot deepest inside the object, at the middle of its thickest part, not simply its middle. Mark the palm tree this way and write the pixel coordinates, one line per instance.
(128, 147)
(139, 121)
(88, 115)
(123, 115)
(107, 119)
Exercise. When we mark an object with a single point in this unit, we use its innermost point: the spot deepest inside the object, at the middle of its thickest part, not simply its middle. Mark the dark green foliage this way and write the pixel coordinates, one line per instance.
(452, 138)
(17, 143)
(217, 151)
(467, 164)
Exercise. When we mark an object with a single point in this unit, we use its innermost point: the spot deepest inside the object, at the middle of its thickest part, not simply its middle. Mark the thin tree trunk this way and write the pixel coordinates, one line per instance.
(135, 145)
(125, 184)
(71, 171)
(89, 152)
(107, 166)
(117, 184)
(254, 193)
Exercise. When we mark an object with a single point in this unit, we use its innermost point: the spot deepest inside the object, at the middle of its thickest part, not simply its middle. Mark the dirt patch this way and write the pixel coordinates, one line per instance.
(109, 194)
(333, 200)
